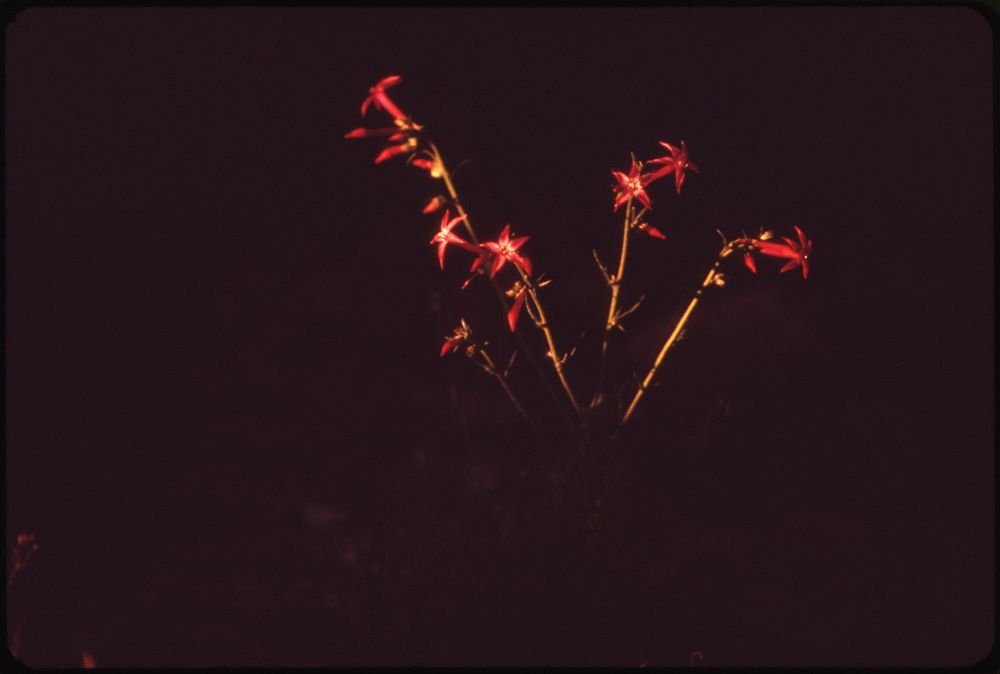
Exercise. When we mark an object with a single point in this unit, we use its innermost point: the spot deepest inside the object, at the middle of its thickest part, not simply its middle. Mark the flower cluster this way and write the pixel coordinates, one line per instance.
(632, 186)
(404, 136)
(490, 258)
(490, 254)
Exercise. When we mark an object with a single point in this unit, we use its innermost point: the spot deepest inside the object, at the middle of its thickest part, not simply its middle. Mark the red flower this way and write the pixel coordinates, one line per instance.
(409, 146)
(632, 185)
(432, 166)
(381, 99)
(476, 271)
(652, 231)
(444, 237)
(361, 132)
(504, 249)
(458, 337)
(434, 204)
(515, 309)
(677, 162)
(796, 252)
(750, 262)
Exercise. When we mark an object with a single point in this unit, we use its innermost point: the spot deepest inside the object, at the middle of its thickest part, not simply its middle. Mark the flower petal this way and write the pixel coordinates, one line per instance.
(498, 262)
(448, 346)
(802, 237)
(775, 249)
(515, 310)
(390, 152)
(389, 81)
(518, 242)
(673, 150)
(433, 205)
(621, 178)
(750, 262)
(362, 132)
(522, 261)
(386, 104)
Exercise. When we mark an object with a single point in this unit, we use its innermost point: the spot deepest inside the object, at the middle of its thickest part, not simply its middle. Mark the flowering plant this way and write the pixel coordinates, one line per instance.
(520, 292)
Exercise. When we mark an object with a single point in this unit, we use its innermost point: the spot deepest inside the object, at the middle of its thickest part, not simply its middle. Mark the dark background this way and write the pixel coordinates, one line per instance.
(230, 431)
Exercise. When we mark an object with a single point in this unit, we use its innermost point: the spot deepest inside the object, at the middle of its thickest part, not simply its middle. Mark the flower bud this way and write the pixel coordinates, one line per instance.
(765, 235)
(434, 204)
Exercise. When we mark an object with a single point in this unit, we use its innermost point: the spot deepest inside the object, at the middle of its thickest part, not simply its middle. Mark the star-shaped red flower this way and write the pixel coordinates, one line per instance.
(504, 249)
(444, 237)
(632, 185)
(381, 100)
(677, 162)
(796, 252)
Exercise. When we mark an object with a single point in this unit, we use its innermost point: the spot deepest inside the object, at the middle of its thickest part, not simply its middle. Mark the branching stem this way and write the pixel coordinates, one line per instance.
(453, 193)
(543, 323)
(491, 369)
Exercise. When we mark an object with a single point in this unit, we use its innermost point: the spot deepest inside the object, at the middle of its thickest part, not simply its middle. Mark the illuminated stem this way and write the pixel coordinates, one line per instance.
(674, 335)
(453, 193)
(616, 280)
(543, 324)
(450, 186)
(615, 283)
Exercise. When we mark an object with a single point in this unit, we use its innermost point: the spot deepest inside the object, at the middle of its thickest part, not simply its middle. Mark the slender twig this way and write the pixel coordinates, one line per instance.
(709, 278)
(450, 186)
(615, 283)
(543, 324)
(490, 368)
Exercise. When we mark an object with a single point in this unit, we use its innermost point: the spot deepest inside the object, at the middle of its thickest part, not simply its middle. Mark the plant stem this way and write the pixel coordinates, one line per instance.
(543, 323)
(450, 186)
(615, 283)
(491, 369)
(453, 193)
(616, 280)
(673, 336)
